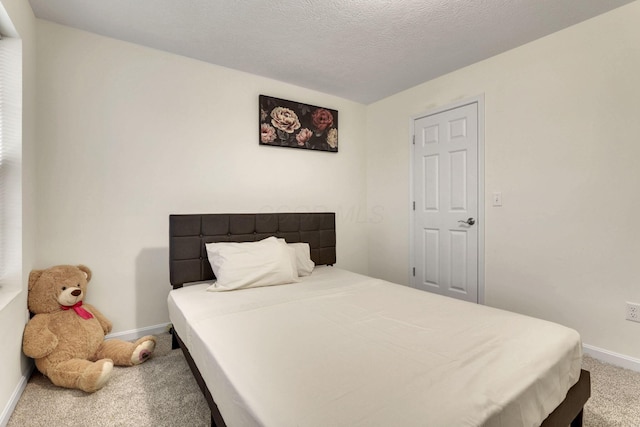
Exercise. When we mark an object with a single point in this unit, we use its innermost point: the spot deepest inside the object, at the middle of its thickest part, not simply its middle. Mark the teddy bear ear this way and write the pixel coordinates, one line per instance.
(34, 276)
(85, 270)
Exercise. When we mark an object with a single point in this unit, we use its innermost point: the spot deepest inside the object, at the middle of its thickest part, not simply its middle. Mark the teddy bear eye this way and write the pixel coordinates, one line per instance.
(64, 288)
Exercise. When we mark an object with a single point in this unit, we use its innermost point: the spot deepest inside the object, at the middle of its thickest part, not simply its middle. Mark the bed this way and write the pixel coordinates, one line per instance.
(337, 348)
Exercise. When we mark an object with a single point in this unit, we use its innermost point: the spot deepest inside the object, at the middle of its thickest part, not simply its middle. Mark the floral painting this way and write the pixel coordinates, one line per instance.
(293, 124)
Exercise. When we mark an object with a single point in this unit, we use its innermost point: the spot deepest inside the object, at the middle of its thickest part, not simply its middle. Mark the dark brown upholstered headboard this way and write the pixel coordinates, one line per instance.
(188, 234)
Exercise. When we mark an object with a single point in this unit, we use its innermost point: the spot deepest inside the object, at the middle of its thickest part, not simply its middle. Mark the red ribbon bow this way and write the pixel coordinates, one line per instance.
(77, 307)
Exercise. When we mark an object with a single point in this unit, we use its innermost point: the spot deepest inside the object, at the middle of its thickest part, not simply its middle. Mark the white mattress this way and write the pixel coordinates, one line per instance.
(342, 349)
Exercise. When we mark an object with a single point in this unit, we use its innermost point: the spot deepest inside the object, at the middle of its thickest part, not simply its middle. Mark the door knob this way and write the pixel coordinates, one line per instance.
(469, 221)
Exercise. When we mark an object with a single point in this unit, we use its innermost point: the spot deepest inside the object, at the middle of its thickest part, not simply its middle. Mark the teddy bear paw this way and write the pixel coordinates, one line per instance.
(96, 375)
(105, 374)
(143, 351)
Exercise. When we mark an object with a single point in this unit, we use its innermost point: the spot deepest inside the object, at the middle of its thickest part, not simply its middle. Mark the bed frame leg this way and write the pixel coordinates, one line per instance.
(174, 341)
(577, 421)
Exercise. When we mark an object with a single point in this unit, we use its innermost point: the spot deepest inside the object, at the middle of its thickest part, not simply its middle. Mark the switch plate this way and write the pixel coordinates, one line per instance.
(497, 199)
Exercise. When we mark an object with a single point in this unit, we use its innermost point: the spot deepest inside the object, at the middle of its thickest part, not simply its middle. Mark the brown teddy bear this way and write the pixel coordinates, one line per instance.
(66, 338)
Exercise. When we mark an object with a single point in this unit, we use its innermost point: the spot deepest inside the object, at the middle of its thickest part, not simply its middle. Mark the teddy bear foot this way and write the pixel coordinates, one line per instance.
(96, 376)
(143, 350)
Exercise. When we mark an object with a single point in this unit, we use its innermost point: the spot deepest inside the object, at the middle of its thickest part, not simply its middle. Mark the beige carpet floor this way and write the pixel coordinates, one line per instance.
(162, 392)
(615, 396)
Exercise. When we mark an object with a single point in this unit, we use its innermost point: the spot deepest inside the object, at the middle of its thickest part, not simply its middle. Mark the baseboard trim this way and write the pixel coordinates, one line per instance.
(134, 334)
(15, 397)
(612, 358)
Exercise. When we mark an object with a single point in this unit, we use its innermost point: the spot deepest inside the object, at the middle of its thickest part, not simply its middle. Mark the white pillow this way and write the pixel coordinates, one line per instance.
(251, 264)
(304, 264)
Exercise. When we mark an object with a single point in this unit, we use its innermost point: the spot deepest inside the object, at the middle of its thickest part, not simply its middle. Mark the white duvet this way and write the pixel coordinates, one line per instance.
(342, 349)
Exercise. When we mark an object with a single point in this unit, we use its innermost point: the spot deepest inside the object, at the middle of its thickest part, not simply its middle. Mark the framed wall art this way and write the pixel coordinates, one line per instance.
(296, 125)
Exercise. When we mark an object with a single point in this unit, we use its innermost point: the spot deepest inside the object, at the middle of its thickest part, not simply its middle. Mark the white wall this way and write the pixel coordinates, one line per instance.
(15, 366)
(129, 135)
(562, 144)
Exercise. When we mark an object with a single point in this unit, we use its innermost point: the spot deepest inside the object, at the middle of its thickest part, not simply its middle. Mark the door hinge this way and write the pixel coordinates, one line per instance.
(414, 205)
(414, 272)
(414, 140)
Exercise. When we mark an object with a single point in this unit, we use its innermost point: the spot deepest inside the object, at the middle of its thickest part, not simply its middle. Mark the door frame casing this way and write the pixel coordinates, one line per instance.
(479, 100)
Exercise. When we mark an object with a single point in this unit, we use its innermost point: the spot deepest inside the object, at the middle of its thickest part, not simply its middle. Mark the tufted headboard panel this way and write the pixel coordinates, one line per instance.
(188, 234)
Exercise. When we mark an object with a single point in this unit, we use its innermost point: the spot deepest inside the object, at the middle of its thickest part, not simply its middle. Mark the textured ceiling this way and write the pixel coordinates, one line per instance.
(363, 50)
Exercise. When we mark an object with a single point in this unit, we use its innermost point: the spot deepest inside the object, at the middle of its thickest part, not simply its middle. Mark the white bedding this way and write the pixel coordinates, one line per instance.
(342, 349)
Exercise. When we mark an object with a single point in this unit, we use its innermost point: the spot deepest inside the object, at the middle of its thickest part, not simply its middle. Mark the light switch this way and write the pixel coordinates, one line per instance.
(497, 199)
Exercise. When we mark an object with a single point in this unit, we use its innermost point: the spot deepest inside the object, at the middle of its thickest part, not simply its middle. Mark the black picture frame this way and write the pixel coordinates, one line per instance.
(292, 124)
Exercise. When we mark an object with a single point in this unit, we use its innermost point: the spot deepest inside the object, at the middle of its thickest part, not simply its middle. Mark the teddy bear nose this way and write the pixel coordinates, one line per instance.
(76, 292)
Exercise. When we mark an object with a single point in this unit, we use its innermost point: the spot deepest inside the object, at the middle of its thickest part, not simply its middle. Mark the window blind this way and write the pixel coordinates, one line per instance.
(10, 159)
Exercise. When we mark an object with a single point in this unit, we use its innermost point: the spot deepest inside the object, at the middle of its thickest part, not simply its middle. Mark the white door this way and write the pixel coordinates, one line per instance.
(445, 193)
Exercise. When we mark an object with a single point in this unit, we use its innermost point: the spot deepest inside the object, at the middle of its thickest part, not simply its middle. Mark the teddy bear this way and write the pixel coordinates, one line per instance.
(67, 337)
